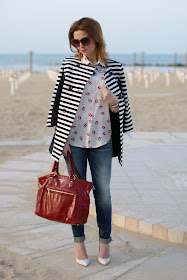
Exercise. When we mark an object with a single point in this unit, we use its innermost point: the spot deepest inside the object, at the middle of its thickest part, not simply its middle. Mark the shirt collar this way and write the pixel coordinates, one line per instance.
(86, 61)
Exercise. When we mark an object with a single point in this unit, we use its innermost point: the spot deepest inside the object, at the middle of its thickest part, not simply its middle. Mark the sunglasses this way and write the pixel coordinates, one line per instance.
(85, 41)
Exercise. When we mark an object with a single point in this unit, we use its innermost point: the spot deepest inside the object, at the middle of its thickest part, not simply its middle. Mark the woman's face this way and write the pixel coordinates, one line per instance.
(90, 50)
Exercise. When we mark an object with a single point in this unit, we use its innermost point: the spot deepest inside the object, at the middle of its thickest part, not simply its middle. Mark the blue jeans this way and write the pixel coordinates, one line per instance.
(100, 165)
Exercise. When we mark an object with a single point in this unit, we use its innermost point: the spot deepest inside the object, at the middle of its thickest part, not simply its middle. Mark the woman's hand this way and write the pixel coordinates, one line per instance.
(66, 149)
(109, 97)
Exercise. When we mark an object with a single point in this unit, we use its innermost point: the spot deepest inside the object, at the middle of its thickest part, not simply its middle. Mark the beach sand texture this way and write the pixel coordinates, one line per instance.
(23, 117)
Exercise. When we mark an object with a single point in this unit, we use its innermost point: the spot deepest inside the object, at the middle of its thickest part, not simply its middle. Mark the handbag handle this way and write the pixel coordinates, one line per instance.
(72, 169)
(55, 168)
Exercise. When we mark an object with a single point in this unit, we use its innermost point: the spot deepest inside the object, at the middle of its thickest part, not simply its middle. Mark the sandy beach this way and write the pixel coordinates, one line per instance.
(14, 266)
(159, 108)
(23, 117)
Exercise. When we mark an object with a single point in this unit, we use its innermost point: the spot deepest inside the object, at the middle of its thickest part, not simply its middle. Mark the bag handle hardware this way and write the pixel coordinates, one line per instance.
(72, 169)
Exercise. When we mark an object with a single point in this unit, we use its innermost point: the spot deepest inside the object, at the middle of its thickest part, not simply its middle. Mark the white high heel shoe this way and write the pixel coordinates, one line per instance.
(83, 262)
(104, 261)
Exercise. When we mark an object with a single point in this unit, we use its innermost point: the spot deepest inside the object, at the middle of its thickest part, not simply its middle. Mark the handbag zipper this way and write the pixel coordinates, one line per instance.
(49, 190)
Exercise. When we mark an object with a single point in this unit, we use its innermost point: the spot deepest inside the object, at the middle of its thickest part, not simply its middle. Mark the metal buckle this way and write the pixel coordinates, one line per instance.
(74, 177)
(53, 172)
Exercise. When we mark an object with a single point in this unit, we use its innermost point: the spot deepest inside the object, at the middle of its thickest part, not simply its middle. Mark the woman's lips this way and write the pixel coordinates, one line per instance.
(83, 50)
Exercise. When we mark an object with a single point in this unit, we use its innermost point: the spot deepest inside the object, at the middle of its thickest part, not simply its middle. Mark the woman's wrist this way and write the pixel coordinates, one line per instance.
(114, 108)
(115, 105)
(114, 100)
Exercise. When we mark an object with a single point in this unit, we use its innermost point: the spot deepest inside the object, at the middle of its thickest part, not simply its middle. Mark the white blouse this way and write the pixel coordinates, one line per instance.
(91, 127)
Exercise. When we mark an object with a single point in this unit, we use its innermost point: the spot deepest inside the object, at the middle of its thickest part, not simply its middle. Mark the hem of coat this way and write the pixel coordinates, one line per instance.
(129, 131)
(56, 159)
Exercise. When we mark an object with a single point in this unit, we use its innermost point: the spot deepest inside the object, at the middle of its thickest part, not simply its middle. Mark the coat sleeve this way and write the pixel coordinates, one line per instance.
(53, 110)
(127, 120)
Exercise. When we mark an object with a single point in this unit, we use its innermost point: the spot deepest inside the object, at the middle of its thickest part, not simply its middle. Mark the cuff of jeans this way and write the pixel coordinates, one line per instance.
(79, 239)
(105, 241)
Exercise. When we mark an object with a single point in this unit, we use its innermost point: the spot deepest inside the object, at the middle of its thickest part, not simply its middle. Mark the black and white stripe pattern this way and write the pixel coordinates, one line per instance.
(76, 74)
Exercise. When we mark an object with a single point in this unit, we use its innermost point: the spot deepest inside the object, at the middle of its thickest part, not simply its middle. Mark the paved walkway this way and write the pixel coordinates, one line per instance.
(149, 195)
(150, 190)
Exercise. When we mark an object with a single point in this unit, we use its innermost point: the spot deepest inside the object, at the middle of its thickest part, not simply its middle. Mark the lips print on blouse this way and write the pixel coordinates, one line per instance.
(91, 127)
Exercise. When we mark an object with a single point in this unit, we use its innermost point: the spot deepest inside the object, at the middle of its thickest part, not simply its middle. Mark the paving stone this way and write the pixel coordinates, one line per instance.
(22, 143)
(118, 220)
(165, 265)
(17, 176)
(131, 224)
(41, 156)
(145, 228)
(175, 236)
(160, 232)
(27, 165)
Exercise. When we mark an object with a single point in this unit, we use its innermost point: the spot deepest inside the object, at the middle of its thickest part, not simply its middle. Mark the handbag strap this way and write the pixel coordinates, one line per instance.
(72, 169)
(55, 167)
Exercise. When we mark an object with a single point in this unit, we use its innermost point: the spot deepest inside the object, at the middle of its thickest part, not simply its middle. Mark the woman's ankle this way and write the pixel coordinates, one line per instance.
(80, 251)
(104, 251)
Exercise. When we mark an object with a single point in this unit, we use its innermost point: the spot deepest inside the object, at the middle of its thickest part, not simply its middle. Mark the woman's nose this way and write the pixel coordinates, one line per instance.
(81, 44)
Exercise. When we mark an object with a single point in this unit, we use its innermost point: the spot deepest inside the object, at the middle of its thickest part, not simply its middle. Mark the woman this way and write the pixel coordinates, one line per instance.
(90, 110)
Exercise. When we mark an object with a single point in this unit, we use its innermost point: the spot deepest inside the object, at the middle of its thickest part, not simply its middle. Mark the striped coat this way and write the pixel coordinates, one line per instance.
(66, 97)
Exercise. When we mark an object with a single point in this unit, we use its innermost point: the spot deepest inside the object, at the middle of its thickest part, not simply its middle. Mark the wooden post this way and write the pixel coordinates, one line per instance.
(175, 60)
(142, 60)
(134, 60)
(185, 63)
(30, 60)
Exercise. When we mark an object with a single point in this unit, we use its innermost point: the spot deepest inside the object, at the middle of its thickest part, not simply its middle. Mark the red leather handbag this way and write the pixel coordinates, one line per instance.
(63, 198)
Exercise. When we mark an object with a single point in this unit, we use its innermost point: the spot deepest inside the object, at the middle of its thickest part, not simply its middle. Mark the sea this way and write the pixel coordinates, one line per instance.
(43, 61)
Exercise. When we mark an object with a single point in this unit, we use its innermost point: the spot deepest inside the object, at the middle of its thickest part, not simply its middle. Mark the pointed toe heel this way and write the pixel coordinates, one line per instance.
(83, 262)
(104, 261)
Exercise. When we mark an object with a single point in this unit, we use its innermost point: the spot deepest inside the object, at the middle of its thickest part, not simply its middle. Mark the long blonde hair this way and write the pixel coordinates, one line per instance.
(93, 28)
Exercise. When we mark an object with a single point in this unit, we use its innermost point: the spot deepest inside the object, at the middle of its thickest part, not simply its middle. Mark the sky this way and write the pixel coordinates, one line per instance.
(152, 26)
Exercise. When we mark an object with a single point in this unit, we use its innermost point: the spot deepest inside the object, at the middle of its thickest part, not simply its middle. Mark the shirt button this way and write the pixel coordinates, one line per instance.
(70, 87)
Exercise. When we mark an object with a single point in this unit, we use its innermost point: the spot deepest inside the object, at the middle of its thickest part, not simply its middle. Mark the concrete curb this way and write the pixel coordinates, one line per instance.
(173, 235)
(22, 143)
